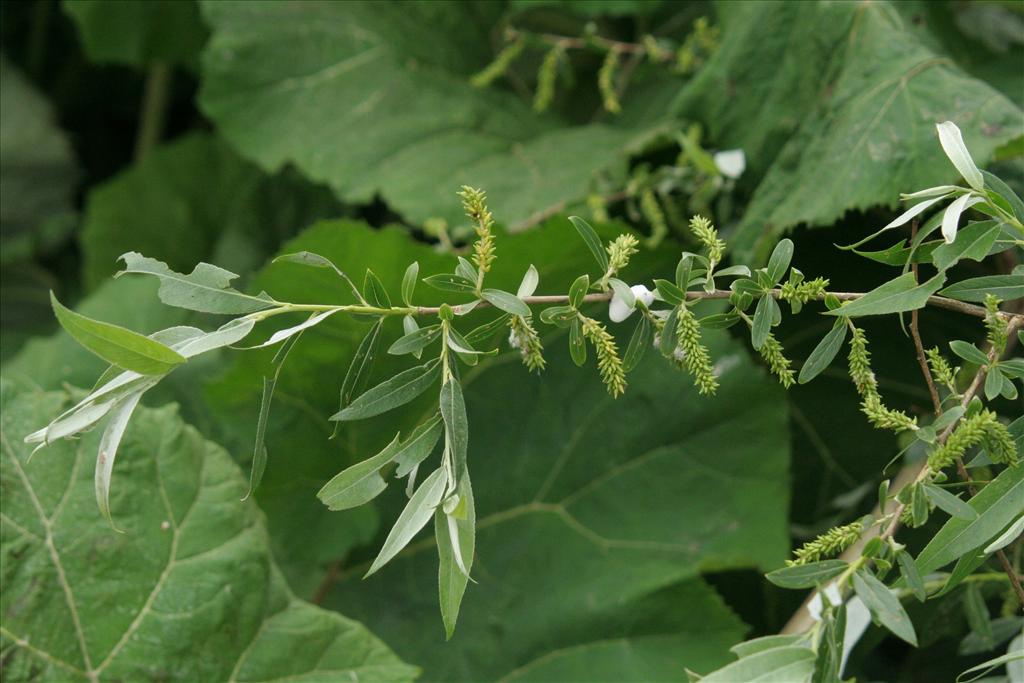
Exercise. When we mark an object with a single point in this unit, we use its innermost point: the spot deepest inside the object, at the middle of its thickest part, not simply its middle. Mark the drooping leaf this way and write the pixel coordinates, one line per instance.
(174, 575)
(807, 575)
(824, 353)
(117, 345)
(414, 517)
(455, 536)
(360, 483)
(884, 606)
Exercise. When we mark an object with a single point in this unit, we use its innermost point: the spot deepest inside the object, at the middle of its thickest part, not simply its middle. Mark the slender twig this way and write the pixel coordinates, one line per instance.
(154, 109)
(801, 619)
(915, 334)
(572, 43)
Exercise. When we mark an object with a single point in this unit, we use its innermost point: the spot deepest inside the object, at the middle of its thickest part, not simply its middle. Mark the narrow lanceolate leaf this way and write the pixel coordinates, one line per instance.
(1007, 537)
(308, 258)
(456, 424)
(259, 450)
(392, 393)
(415, 340)
(360, 483)
(885, 607)
(206, 289)
(755, 645)
(109, 443)
(952, 142)
(638, 344)
(577, 345)
(769, 666)
(592, 241)
(969, 352)
(509, 303)
(485, 331)
(448, 282)
(910, 214)
(908, 568)
(763, 316)
(824, 352)
(374, 291)
(456, 543)
(418, 446)
(951, 217)
(117, 345)
(412, 273)
(973, 242)
(807, 575)
(359, 368)
(954, 506)
(895, 296)
(995, 185)
(529, 283)
(1006, 287)
(780, 259)
(998, 504)
(414, 517)
(288, 332)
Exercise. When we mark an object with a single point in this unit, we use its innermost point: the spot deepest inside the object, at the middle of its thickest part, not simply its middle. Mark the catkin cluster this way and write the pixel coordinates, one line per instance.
(863, 377)
(608, 362)
(706, 234)
(695, 356)
(982, 428)
(525, 338)
(832, 542)
(474, 203)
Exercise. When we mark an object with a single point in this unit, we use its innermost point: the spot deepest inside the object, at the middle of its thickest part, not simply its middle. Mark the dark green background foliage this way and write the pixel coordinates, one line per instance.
(618, 540)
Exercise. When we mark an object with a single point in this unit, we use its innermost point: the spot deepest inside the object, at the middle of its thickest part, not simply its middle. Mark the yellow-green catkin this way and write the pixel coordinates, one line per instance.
(941, 371)
(598, 208)
(608, 362)
(995, 325)
(606, 82)
(832, 542)
(547, 76)
(706, 234)
(863, 378)
(772, 353)
(526, 339)
(652, 212)
(653, 50)
(803, 292)
(474, 203)
(695, 356)
(619, 251)
(697, 47)
(500, 66)
(981, 428)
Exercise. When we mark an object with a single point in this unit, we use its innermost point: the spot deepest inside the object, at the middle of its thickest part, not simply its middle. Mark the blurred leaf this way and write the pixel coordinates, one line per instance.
(844, 121)
(139, 33)
(190, 588)
(37, 171)
(195, 200)
(388, 107)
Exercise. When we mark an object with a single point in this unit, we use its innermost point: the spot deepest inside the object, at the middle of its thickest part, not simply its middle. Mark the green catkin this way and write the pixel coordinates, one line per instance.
(832, 542)
(995, 325)
(500, 66)
(653, 49)
(863, 378)
(695, 356)
(771, 351)
(598, 208)
(941, 371)
(804, 291)
(474, 203)
(528, 342)
(619, 251)
(652, 212)
(547, 76)
(982, 428)
(608, 362)
(706, 234)
(606, 82)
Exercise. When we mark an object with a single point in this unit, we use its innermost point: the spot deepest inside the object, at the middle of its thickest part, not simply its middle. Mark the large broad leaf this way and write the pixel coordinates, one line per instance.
(189, 592)
(843, 121)
(375, 98)
(604, 504)
(195, 200)
(139, 33)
